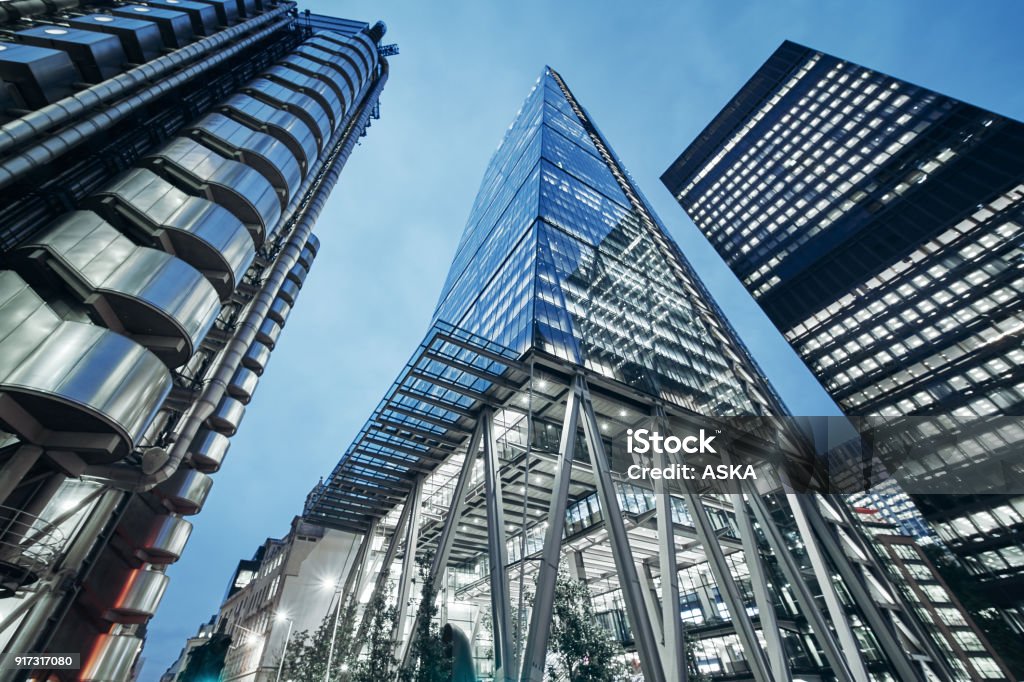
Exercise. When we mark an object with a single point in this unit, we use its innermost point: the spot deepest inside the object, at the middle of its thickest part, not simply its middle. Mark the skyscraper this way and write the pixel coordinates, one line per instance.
(162, 167)
(570, 320)
(878, 224)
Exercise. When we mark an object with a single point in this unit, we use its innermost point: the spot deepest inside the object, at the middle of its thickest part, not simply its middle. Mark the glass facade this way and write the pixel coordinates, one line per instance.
(563, 267)
(557, 257)
(879, 226)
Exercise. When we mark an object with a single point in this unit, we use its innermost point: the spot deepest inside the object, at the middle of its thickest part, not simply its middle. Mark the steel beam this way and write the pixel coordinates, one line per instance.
(729, 590)
(673, 653)
(629, 580)
(847, 640)
(497, 555)
(540, 618)
(15, 468)
(405, 580)
(451, 525)
(382, 577)
(809, 608)
(881, 627)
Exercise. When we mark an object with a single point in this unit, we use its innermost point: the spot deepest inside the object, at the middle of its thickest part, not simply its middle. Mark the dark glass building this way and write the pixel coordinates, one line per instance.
(570, 318)
(161, 170)
(879, 226)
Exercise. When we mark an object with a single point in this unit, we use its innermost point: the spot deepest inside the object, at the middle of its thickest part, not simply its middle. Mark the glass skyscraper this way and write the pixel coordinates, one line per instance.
(569, 319)
(879, 225)
(162, 167)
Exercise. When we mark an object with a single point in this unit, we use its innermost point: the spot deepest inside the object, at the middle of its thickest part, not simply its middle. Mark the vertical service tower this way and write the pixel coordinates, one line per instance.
(161, 167)
(569, 321)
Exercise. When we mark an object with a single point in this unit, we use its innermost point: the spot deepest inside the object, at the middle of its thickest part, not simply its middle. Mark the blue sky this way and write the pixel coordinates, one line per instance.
(652, 75)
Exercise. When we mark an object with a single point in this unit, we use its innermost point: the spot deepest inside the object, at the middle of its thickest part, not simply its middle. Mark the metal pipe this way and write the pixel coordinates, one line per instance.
(74, 106)
(535, 652)
(308, 210)
(21, 9)
(496, 553)
(59, 143)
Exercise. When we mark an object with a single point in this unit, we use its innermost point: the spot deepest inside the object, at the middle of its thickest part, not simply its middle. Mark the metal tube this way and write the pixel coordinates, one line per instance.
(759, 583)
(540, 619)
(822, 632)
(382, 577)
(847, 640)
(74, 106)
(629, 581)
(451, 524)
(881, 628)
(729, 589)
(284, 651)
(334, 636)
(405, 580)
(497, 554)
(309, 203)
(673, 655)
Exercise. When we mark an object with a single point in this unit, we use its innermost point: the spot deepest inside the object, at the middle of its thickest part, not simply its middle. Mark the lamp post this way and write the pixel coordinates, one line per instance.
(334, 630)
(287, 639)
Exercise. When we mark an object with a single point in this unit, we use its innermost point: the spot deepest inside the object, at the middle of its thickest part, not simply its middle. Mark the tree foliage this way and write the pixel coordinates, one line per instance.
(583, 647)
(308, 654)
(380, 659)
(431, 658)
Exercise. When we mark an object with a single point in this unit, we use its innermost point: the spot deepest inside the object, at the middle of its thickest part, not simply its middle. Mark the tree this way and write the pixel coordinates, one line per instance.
(380, 659)
(308, 655)
(583, 647)
(431, 658)
(693, 672)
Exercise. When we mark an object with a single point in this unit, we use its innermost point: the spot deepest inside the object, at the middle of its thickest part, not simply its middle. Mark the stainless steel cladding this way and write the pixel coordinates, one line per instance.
(208, 451)
(200, 171)
(256, 149)
(296, 102)
(161, 301)
(167, 540)
(185, 491)
(60, 376)
(203, 234)
(286, 127)
(112, 659)
(138, 602)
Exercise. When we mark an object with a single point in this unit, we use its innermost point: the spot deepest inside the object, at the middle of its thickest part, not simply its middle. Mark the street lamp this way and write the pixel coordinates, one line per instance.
(279, 617)
(336, 586)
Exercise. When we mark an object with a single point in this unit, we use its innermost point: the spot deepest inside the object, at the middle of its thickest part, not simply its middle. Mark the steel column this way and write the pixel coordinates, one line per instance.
(629, 581)
(927, 643)
(776, 652)
(759, 583)
(881, 627)
(354, 580)
(540, 619)
(451, 525)
(847, 640)
(382, 576)
(458, 506)
(820, 627)
(673, 654)
(497, 554)
(412, 534)
(729, 589)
